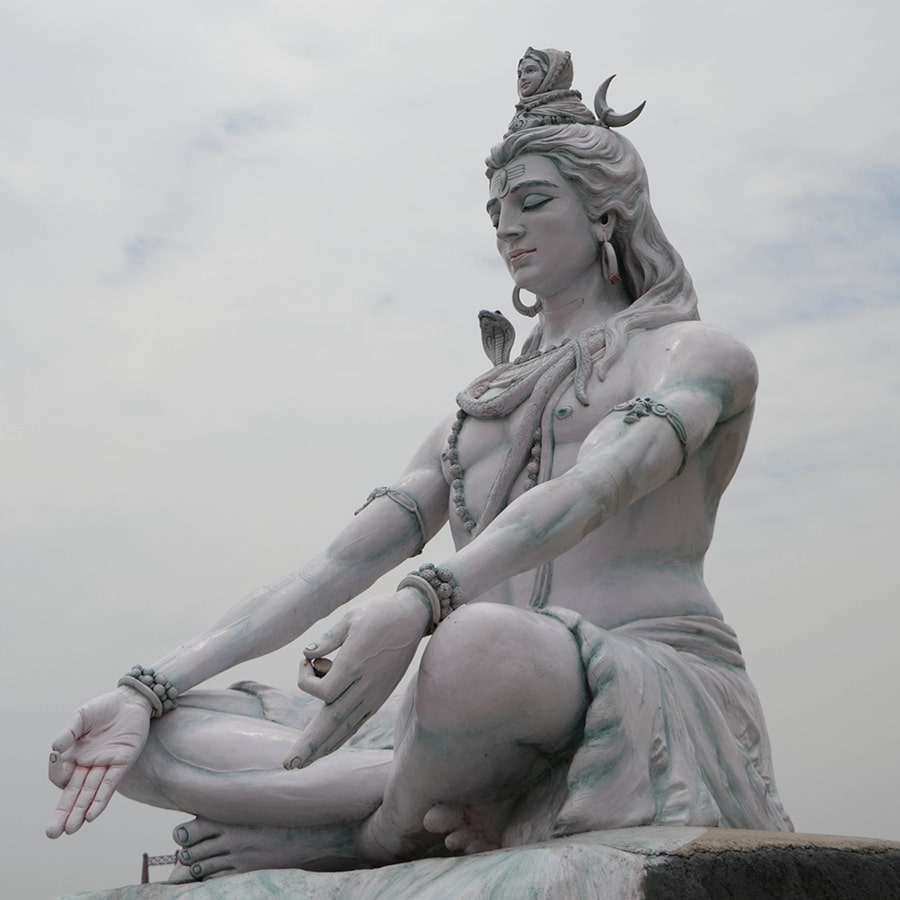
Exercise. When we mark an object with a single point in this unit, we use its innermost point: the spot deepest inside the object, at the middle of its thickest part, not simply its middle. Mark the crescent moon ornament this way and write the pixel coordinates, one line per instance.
(605, 112)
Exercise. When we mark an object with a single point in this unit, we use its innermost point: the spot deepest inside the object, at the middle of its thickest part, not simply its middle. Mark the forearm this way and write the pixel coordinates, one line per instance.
(379, 538)
(554, 517)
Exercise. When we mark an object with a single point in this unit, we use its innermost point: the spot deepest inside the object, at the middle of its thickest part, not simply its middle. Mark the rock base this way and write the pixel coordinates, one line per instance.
(654, 863)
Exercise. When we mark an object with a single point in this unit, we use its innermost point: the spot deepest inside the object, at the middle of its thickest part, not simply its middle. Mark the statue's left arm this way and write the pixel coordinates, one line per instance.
(694, 377)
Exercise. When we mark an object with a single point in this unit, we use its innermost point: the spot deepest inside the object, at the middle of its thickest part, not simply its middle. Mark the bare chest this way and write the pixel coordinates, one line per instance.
(546, 440)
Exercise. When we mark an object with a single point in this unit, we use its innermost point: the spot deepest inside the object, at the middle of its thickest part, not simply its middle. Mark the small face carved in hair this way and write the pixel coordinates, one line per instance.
(530, 75)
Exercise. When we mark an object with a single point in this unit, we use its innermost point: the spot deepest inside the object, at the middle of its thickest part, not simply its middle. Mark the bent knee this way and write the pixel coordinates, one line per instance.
(494, 666)
(477, 627)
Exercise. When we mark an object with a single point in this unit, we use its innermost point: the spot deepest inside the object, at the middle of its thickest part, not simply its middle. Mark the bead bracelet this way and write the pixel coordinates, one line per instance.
(439, 588)
(162, 694)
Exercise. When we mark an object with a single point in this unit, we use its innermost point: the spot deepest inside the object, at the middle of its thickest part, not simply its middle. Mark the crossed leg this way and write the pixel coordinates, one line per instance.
(499, 695)
(219, 759)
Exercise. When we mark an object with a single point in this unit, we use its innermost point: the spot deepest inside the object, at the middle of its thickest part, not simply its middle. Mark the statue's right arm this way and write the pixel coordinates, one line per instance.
(106, 735)
(378, 538)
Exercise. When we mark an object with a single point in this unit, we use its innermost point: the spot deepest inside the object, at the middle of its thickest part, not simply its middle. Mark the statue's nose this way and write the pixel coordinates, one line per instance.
(510, 228)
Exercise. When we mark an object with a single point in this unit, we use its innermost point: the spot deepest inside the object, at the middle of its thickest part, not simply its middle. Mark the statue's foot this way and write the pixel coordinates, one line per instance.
(382, 842)
(469, 829)
(460, 829)
(209, 849)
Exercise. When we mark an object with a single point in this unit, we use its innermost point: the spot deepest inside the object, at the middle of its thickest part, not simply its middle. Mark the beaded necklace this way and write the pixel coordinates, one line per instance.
(525, 384)
(457, 474)
(451, 454)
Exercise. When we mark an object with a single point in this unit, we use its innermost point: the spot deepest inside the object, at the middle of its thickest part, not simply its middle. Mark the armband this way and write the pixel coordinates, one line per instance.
(407, 501)
(645, 406)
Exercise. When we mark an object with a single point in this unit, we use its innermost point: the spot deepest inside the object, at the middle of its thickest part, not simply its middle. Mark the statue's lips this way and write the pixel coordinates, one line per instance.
(518, 255)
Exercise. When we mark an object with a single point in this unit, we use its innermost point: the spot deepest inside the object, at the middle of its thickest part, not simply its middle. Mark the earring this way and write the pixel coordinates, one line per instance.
(610, 262)
(522, 308)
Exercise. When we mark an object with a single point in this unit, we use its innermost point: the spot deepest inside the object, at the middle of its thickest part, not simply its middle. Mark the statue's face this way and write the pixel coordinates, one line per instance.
(530, 77)
(543, 232)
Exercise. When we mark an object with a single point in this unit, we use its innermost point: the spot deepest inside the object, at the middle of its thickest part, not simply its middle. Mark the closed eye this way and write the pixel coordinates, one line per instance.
(534, 201)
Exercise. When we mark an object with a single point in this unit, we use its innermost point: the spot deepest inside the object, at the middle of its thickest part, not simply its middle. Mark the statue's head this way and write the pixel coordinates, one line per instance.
(606, 172)
(609, 178)
(540, 71)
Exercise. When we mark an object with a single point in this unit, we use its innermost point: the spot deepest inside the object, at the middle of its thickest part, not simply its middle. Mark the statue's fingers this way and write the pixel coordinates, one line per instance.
(57, 825)
(85, 798)
(59, 822)
(73, 730)
(305, 749)
(59, 769)
(309, 682)
(331, 640)
(330, 687)
(345, 730)
(104, 792)
(323, 734)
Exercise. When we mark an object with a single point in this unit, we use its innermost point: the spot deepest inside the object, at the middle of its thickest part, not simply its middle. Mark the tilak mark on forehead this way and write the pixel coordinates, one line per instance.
(502, 178)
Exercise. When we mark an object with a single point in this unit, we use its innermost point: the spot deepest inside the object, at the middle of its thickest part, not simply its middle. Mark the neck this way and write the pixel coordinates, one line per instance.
(591, 303)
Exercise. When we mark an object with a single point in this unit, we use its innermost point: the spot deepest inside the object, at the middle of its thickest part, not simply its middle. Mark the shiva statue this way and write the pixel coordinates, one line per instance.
(580, 480)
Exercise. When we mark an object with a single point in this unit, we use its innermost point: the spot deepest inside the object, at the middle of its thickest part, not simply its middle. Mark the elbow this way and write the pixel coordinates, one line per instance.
(581, 505)
(609, 490)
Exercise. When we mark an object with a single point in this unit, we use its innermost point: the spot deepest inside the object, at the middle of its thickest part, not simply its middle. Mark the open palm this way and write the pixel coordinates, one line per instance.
(89, 758)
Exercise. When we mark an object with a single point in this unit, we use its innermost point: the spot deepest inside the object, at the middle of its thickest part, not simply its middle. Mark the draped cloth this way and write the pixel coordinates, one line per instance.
(674, 732)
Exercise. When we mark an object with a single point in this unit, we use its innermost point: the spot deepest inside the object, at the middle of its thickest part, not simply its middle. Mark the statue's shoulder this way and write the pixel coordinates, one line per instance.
(685, 352)
(696, 342)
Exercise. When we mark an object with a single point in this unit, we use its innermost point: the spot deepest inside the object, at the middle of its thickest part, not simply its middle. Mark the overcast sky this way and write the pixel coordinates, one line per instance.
(244, 246)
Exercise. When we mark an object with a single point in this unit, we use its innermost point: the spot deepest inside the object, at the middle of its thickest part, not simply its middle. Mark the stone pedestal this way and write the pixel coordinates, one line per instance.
(628, 864)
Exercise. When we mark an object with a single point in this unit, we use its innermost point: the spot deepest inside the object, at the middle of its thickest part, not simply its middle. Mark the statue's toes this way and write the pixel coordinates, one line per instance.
(211, 867)
(206, 852)
(200, 871)
(459, 840)
(180, 874)
(441, 819)
(188, 834)
(467, 829)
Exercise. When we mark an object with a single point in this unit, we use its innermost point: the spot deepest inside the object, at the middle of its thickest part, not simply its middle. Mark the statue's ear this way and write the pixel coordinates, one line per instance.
(605, 227)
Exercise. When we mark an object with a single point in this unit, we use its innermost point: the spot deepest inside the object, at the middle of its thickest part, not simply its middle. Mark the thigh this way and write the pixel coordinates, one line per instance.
(220, 740)
(234, 702)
